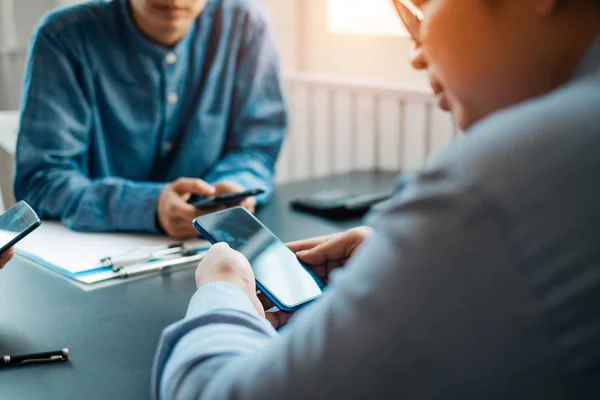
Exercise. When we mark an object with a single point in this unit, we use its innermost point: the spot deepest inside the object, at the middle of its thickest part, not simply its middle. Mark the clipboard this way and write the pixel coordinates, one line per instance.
(79, 255)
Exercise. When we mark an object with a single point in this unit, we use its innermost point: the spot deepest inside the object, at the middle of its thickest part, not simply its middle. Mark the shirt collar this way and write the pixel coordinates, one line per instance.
(590, 63)
(152, 49)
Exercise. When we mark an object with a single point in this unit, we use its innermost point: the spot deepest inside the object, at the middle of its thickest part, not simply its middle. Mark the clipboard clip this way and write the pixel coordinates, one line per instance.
(157, 266)
(145, 255)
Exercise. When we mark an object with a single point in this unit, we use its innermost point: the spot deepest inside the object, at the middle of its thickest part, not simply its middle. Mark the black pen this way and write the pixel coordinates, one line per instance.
(49, 356)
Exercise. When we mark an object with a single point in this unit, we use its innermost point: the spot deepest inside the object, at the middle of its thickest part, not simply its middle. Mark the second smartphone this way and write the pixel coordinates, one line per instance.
(222, 200)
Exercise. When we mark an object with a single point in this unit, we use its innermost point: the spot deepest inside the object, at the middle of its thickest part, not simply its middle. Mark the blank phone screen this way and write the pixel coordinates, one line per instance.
(14, 222)
(275, 266)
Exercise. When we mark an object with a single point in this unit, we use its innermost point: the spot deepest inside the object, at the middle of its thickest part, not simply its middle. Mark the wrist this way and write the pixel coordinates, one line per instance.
(246, 284)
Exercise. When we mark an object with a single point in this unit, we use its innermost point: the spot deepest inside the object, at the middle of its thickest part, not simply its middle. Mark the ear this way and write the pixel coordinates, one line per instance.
(547, 7)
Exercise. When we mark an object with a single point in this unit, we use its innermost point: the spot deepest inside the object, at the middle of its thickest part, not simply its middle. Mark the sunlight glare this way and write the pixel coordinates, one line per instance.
(364, 17)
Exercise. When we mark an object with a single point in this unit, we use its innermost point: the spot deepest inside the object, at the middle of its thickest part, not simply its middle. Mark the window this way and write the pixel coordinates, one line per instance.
(364, 17)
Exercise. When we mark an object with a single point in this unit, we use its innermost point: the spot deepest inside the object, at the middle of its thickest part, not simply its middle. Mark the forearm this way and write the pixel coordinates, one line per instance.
(108, 204)
(220, 322)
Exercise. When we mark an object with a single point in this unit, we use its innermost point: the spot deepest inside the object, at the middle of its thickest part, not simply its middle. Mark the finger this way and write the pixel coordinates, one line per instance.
(180, 210)
(216, 252)
(219, 247)
(258, 306)
(332, 250)
(307, 244)
(278, 318)
(6, 257)
(181, 229)
(249, 204)
(264, 300)
(9, 253)
(193, 185)
(228, 187)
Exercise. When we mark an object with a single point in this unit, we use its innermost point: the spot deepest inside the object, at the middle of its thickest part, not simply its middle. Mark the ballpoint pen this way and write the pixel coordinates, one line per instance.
(142, 255)
(135, 270)
(49, 356)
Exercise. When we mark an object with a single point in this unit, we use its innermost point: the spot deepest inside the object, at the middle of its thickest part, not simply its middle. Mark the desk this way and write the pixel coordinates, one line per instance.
(112, 332)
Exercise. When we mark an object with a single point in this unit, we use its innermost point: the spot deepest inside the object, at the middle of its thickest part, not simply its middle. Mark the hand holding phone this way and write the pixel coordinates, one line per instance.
(223, 200)
(279, 275)
(173, 213)
(16, 223)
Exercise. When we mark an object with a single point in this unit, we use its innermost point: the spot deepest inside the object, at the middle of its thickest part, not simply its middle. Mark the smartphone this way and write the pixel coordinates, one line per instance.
(16, 223)
(222, 200)
(280, 275)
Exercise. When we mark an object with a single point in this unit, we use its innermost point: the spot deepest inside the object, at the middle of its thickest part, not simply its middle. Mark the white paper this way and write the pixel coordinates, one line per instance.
(55, 246)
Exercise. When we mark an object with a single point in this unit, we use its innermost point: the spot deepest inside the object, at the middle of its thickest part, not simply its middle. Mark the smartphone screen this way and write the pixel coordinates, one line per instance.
(15, 224)
(278, 271)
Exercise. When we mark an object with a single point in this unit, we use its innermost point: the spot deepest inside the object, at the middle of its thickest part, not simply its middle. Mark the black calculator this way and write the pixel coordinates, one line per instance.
(339, 204)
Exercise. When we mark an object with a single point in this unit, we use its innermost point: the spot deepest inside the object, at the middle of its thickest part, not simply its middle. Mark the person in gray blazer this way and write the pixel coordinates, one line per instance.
(481, 279)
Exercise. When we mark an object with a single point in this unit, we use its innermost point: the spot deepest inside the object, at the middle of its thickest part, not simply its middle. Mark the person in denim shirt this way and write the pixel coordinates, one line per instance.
(131, 106)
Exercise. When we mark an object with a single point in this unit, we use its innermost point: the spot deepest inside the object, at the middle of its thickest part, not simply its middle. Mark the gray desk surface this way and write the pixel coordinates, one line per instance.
(112, 332)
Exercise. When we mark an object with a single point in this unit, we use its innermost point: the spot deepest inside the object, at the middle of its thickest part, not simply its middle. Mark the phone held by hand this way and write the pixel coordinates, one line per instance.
(279, 274)
(223, 200)
(16, 223)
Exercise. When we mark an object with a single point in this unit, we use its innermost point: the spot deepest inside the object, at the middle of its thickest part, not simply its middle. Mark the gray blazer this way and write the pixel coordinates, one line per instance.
(481, 282)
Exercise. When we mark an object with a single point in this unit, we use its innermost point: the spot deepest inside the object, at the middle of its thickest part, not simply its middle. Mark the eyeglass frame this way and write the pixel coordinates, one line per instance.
(414, 10)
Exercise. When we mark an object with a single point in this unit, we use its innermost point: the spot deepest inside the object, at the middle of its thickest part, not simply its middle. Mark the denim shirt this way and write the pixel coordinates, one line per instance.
(109, 117)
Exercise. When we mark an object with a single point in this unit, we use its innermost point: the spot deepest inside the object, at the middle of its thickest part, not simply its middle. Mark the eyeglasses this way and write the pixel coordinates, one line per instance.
(411, 16)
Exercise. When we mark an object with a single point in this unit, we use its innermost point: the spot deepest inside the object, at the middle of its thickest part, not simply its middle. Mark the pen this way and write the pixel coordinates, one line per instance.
(135, 270)
(49, 356)
(141, 255)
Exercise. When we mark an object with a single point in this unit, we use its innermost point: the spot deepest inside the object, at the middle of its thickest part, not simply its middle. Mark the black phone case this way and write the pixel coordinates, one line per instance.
(354, 206)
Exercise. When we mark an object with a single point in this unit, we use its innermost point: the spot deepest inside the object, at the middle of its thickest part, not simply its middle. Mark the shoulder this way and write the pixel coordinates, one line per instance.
(77, 21)
(250, 11)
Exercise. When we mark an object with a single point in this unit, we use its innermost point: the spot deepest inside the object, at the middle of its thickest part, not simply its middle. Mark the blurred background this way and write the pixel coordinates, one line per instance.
(355, 103)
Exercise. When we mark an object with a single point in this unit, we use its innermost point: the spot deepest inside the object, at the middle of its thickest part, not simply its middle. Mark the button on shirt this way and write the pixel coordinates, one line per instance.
(103, 128)
(171, 58)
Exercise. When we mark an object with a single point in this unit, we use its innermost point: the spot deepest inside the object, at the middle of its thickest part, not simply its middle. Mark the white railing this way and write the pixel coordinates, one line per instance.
(340, 125)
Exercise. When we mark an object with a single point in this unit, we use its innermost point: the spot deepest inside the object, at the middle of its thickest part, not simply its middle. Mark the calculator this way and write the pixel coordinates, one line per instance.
(339, 204)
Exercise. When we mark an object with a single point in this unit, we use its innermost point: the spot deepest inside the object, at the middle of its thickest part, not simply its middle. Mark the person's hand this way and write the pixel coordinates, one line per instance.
(6, 257)
(225, 187)
(326, 253)
(323, 254)
(222, 263)
(174, 214)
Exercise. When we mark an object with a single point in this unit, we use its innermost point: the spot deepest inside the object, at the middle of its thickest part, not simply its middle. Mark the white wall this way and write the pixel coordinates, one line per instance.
(308, 45)
(24, 15)
(29, 12)
(355, 102)
(283, 16)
